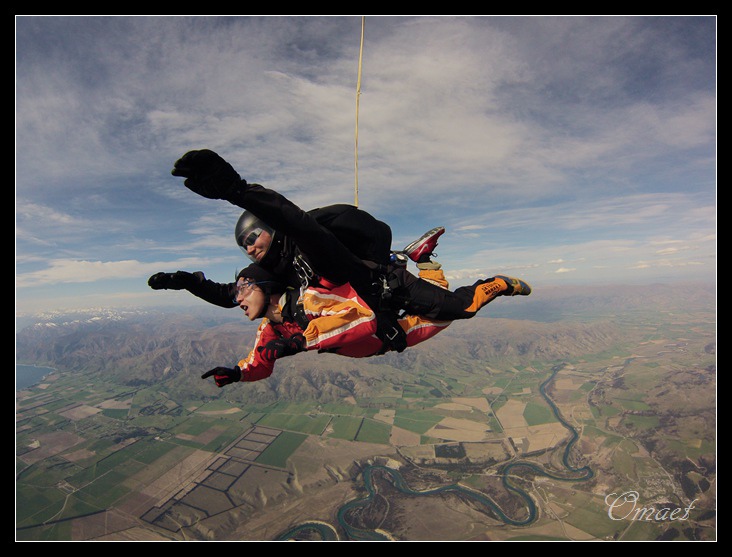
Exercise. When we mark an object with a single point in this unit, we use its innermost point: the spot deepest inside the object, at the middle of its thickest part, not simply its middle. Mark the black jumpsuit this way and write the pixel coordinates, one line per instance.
(301, 233)
(330, 258)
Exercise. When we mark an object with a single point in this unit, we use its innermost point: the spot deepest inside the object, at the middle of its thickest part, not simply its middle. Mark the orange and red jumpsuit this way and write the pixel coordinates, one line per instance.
(338, 321)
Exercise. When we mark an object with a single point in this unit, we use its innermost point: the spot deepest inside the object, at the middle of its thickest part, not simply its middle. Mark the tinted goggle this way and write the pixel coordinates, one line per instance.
(252, 237)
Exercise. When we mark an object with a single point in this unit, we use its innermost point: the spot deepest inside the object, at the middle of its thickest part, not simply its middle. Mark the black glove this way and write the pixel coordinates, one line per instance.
(224, 375)
(281, 347)
(180, 280)
(207, 174)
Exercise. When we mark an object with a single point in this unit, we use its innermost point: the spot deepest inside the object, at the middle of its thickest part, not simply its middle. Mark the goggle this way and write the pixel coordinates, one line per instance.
(246, 285)
(252, 237)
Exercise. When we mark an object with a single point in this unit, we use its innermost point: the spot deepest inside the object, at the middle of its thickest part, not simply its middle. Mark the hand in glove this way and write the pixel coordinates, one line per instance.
(282, 347)
(207, 174)
(224, 375)
(180, 280)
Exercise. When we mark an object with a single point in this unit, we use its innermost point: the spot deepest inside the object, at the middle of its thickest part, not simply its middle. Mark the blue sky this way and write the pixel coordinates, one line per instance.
(564, 150)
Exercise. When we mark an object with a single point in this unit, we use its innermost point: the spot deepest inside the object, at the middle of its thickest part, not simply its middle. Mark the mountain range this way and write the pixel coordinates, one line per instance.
(146, 347)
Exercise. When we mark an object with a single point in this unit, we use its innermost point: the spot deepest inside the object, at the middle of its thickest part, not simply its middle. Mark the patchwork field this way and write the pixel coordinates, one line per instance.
(114, 462)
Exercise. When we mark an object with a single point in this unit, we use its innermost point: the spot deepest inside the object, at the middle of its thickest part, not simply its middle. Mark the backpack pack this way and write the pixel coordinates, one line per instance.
(363, 234)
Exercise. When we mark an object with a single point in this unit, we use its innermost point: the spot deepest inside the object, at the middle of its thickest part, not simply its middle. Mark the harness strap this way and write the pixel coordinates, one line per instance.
(387, 289)
(306, 275)
(390, 332)
(303, 269)
(295, 310)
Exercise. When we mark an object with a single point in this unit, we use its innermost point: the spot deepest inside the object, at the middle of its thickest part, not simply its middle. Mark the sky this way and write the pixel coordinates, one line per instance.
(566, 151)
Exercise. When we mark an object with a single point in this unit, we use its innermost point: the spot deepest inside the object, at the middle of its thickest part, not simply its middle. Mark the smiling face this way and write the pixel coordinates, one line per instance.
(257, 248)
(251, 299)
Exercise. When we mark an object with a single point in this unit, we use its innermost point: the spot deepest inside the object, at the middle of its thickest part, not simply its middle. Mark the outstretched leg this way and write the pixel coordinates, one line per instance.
(429, 296)
(435, 302)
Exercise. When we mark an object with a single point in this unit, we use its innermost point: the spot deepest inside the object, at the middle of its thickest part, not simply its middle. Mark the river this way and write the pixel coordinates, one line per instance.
(580, 474)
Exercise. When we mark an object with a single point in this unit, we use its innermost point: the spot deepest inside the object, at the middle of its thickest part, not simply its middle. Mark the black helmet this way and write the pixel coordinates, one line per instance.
(248, 228)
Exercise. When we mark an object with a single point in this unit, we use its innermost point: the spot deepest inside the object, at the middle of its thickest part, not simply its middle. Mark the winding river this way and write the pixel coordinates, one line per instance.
(327, 532)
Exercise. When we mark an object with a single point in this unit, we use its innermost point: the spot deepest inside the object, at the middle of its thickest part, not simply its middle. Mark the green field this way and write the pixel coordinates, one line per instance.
(372, 431)
(277, 453)
(76, 458)
(313, 425)
(537, 413)
(418, 421)
(345, 427)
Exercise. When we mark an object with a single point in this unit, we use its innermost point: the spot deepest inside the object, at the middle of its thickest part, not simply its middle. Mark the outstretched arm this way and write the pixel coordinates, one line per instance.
(252, 368)
(209, 175)
(197, 284)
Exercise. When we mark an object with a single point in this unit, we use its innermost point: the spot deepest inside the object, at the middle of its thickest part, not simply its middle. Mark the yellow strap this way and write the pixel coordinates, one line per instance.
(358, 96)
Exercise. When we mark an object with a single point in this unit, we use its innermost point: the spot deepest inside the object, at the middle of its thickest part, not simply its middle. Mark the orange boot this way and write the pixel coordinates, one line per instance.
(485, 292)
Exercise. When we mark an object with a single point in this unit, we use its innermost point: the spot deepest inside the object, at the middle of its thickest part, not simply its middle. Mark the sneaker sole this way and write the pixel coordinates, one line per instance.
(438, 231)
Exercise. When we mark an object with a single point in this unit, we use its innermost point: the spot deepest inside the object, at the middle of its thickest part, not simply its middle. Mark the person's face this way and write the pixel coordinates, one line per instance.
(251, 299)
(257, 248)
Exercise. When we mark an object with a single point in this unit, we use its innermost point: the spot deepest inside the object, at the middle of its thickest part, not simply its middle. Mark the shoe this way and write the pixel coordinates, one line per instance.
(425, 245)
(516, 287)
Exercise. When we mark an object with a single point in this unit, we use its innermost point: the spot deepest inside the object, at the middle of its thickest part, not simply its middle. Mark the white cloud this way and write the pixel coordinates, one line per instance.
(597, 159)
(75, 271)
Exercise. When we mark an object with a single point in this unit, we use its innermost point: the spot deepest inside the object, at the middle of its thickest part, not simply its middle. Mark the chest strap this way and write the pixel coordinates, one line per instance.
(294, 311)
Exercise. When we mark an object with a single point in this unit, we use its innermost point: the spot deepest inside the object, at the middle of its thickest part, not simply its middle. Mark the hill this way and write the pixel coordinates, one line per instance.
(148, 347)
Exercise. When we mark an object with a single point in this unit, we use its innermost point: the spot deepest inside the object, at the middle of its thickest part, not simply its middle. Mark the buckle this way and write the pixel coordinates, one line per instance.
(304, 271)
(394, 333)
